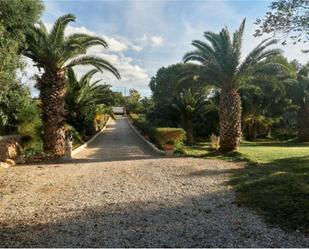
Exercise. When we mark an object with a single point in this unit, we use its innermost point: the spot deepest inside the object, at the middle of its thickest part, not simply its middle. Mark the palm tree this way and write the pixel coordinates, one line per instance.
(84, 96)
(55, 53)
(300, 95)
(188, 105)
(222, 67)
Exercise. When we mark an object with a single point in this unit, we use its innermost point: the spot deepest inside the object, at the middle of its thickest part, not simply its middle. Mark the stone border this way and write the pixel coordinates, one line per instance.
(85, 145)
(162, 152)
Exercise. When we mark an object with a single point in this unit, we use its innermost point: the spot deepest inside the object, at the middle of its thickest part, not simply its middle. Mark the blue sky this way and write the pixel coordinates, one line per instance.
(146, 35)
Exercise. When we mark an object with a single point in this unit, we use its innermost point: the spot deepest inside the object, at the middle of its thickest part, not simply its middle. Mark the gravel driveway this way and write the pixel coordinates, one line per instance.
(135, 200)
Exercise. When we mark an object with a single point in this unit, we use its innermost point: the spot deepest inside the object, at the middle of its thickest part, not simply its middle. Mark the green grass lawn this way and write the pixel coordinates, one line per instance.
(275, 181)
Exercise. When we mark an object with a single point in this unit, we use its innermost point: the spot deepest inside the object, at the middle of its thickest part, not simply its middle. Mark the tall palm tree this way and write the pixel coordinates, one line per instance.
(223, 67)
(188, 105)
(82, 96)
(300, 95)
(55, 53)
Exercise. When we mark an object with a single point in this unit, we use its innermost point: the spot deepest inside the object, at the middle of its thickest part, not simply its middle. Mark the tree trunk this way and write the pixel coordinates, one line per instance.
(52, 94)
(230, 120)
(252, 131)
(303, 123)
(189, 131)
(268, 131)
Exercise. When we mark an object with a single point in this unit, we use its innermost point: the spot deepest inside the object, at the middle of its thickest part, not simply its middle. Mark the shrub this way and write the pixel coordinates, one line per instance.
(160, 136)
(133, 116)
(165, 136)
(214, 141)
(145, 127)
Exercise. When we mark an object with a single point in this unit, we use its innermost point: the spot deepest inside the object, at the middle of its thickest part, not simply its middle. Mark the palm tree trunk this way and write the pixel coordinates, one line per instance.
(230, 120)
(189, 131)
(252, 131)
(303, 123)
(52, 94)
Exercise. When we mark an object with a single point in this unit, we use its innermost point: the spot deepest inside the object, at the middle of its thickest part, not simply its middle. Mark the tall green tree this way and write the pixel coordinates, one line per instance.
(55, 53)
(265, 100)
(222, 67)
(16, 17)
(168, 83)
(299, 92)
(82, 99)
(133, 101)
(118, 99)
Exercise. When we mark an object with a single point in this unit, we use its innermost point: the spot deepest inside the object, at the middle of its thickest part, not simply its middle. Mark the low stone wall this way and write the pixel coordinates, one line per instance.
(9, 147)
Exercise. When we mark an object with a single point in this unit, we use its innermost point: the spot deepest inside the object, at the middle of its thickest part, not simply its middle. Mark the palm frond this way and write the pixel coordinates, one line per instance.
(87, 76)
(97, 62)
(57, 31)
(255, 55)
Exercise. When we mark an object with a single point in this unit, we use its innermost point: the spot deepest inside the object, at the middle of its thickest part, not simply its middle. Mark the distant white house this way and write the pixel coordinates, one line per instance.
(118, 110)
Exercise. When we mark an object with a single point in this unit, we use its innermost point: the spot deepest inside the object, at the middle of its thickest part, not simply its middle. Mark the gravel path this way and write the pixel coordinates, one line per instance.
(140, 201)
(119, 142)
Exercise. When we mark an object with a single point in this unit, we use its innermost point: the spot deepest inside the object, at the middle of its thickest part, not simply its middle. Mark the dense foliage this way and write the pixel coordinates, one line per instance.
(16, 108)
(16, 17)
(82, 100)
(18, 112)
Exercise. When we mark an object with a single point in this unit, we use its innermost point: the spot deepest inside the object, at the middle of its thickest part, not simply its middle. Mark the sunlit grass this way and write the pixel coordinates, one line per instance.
(275, 181)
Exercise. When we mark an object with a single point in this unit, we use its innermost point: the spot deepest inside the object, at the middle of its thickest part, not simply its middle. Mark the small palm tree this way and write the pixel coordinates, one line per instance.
(84, 92)
(84, 96)
(55, 53)
(188, 105)
(300, 95)
(222, 67)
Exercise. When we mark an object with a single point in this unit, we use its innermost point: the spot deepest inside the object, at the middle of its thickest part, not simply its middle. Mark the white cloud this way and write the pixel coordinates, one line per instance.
(116, 45)
(148, 40)
(157, 40)
(137, 47)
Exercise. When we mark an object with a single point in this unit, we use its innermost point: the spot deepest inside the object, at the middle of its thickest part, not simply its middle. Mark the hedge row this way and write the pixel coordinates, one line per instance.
(160, 136)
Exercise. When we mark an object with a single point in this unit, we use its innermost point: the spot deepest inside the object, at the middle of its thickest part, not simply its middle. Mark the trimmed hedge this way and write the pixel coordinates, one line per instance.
(160, 136)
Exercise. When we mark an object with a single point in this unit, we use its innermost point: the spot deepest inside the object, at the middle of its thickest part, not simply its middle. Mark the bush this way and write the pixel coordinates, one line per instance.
(160, 136)
(172, 136)
(133, 116)
(146, 128)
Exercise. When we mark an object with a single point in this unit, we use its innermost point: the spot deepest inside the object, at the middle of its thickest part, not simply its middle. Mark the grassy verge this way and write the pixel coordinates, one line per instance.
(275, 181)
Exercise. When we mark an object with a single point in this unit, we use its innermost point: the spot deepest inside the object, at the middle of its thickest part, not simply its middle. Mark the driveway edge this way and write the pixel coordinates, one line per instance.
(145, 140)
(85, 145)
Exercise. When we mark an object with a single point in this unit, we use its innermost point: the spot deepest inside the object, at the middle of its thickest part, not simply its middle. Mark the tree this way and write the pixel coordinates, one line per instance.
(222, 67)
(146, 104)
(16, 17)
(118, 99)
(132, 101)
(82, 100)
(16, 107)
(265, 100)
(299, 92)
(188, 105)
(55, 54)
(170, 81)
(288, 17)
